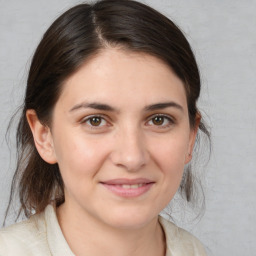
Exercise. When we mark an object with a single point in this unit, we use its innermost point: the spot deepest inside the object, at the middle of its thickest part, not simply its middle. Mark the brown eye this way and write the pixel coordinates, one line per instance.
(158, 120)
(95, 121)
(161, 121)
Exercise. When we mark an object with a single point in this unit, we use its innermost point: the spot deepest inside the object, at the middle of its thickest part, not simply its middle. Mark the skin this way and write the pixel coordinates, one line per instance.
(136, 136)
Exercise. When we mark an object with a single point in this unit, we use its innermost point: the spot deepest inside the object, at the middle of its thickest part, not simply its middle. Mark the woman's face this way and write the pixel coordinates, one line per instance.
(121, 137)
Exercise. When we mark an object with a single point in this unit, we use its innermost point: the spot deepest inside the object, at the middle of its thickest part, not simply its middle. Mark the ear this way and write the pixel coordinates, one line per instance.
(192, 138)
(42, 137)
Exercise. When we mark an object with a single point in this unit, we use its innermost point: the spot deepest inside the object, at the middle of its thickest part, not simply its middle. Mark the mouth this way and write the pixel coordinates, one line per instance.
(128, 188)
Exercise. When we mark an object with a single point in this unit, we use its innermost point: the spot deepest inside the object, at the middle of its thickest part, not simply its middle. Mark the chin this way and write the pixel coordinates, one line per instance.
(130, 219)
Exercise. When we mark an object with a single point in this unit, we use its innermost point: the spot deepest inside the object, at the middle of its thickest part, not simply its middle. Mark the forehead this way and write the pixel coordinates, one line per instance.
(121, 76)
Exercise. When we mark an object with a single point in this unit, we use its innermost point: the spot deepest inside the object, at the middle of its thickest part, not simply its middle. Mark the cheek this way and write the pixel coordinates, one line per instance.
(169, 155)
(170, 151)
(78, 155)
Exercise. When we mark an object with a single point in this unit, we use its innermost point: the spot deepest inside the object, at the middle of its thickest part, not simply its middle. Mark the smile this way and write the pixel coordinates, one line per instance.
(128, 188)
(131, 186)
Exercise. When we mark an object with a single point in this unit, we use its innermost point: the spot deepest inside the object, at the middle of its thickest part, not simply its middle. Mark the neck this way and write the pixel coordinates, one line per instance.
(87, 236)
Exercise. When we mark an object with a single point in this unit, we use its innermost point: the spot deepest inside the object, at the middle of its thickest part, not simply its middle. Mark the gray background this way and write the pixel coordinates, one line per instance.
(222, 34)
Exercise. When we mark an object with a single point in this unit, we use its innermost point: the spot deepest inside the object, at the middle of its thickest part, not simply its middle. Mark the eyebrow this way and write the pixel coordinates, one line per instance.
(100, 106)
(163, 106)
(93, 105)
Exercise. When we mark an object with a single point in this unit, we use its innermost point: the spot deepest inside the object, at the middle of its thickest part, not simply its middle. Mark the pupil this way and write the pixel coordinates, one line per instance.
(95, 121)
(158, 120)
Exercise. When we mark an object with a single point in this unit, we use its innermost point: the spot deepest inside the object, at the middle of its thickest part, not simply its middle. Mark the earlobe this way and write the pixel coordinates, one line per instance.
(42, 137)
(192, 138)
(188, 158)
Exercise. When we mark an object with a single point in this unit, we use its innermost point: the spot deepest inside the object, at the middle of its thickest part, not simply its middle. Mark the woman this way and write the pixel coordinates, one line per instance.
(108, 124)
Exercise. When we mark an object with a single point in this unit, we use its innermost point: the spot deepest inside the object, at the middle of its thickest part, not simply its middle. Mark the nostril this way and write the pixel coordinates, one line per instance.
(129, 150)
(130, 161)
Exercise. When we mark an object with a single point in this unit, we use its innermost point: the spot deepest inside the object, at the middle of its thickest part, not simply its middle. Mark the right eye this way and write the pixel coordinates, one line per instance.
(160, 121)
(95, 122)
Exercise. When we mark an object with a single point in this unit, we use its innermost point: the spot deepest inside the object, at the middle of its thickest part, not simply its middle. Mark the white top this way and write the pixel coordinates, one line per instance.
(41, 235)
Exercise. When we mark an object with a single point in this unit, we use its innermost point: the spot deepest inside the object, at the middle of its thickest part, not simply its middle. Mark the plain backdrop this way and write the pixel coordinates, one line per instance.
(223, 36)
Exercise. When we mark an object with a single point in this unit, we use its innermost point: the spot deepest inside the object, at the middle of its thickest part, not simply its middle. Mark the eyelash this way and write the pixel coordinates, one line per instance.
(89, 118)
(170, 121)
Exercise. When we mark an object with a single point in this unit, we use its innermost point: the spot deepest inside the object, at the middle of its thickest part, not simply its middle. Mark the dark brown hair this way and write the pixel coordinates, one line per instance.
(76, 35)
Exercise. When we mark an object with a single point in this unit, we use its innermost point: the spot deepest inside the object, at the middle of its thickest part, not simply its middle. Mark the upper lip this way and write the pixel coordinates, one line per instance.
(127, 181)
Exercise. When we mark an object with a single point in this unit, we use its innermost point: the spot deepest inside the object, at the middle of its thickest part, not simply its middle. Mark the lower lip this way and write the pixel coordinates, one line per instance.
(128, 192)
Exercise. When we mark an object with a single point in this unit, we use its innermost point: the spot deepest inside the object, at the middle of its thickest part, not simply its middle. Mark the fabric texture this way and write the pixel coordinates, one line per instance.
(41, 235)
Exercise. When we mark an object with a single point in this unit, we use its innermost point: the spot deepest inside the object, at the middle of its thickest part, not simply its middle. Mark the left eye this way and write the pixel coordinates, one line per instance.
(160, 120)
(95, 121)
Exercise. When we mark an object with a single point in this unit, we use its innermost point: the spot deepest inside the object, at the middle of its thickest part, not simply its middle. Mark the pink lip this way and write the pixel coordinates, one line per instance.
(127, 181)
(116, 186)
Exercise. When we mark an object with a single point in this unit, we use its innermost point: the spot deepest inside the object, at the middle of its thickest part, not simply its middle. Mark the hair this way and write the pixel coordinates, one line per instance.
(74, 37)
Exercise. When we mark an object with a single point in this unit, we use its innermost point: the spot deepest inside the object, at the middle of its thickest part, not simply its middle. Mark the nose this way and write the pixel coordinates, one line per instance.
(130, 151)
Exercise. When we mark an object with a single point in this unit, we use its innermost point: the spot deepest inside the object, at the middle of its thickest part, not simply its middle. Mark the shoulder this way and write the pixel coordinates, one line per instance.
(24, 238)
(181, 242)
